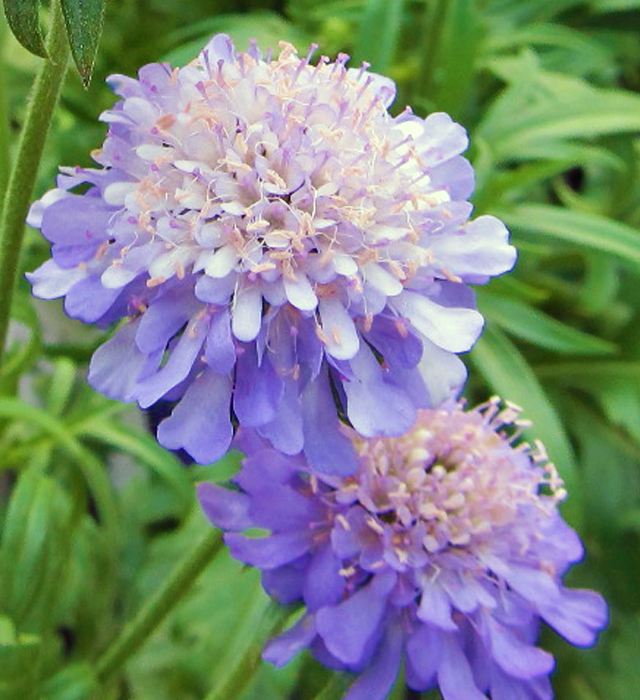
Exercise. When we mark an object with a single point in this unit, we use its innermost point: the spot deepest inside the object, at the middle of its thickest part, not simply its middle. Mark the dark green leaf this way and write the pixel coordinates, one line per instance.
(523, 321)
(24, 22)
(379, 31)
(600, 285)
(267, 28)
(589, 230)
(84, 27)
(72, 683)
(459, 40)
(19, 657)
(583, 373)
(144, 448)
(539, 107)
(30, 545)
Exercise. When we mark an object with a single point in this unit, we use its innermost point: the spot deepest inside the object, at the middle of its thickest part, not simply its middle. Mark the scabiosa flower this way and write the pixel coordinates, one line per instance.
(277, 243)
(445, 547)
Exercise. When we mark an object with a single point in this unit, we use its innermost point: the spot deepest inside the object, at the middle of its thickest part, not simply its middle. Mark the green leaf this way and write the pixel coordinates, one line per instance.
(61, 386)
(75, 682)
(24, 22)
(458, 43)
(507, 371)
(265, 27)
(590, 373)
(621, 402)
(84, 27)
(546, 35)
(579, 228)
(21, 356)
(19, 660)
(600, 284)
(86, 462)
(379, 33)
(614, 5)
(541, 108)
(143, 447)
(34, 547)
(523, 321)
(262, 619)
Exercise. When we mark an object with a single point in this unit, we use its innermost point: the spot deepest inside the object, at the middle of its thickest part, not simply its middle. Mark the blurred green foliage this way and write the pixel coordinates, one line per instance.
(93, 513)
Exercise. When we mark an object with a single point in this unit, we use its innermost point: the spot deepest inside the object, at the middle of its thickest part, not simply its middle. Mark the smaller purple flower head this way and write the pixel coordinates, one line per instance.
(445, 548)
(275, 243)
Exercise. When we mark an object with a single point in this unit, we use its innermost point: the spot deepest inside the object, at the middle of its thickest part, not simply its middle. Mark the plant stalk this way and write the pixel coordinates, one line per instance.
(158, 607)
(44, 97)
(5, 121)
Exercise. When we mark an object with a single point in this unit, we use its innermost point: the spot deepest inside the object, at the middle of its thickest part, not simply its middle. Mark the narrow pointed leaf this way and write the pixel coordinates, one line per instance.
(23, 20)
(540, 107)
(509, 374)
(591, 231)
(523, 321)
(380, 28)
(144, 448)
(84, 28)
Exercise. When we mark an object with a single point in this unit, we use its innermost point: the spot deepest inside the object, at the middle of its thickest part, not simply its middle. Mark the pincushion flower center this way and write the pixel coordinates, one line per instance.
(456, 483)
(281, 168)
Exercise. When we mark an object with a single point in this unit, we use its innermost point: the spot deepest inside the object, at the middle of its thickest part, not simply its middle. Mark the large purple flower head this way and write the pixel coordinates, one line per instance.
(277, 242)
(445, 548)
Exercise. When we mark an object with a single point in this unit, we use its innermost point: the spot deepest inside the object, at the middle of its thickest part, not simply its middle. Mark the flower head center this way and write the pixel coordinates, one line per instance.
(278, 169)
(455, 477)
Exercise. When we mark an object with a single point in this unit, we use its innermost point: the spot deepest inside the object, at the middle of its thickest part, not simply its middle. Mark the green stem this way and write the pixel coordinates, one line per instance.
(427, 79)
(5, 122)
(153, 613)
(44, 98)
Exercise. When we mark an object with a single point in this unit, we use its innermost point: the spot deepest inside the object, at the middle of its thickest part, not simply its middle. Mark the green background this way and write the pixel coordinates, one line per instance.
(94, 515)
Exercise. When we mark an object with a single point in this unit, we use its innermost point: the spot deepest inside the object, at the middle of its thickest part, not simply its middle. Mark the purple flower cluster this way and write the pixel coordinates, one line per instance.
(275, 243)
(445, 549)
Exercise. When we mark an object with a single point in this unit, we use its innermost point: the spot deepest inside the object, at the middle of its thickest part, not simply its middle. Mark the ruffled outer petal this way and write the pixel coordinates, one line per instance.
(455, 677)
(324, 585)
(117, 364)
(452, 329)
(285, 430)
(376, 682)
(374, 406)
(423, 651)
(577, 615)
(325, 447)
(258, 389)
(269, 552)
(347, 628)
(190, 425)
(50, 281)
(286, 583)
(228, 510)
(515, 658)
(281, 508)
(435, 607)
(503, 687)
(178, 366)
(281, 649)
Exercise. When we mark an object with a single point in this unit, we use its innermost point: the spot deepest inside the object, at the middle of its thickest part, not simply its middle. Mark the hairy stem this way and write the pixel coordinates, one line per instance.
(44, 97)
(157, 608)
(5, 122)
